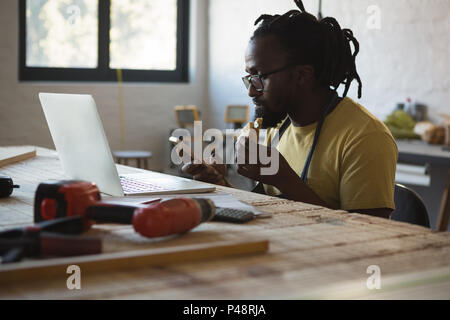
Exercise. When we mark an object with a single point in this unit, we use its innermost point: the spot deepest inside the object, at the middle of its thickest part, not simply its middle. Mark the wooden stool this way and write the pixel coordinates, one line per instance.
(139, 156)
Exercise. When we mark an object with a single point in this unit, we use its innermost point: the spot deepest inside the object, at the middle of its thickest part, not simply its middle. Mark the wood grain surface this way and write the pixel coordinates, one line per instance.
(314, 253)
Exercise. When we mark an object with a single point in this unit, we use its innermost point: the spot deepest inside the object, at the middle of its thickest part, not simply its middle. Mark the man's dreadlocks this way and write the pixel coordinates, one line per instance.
(319, 43)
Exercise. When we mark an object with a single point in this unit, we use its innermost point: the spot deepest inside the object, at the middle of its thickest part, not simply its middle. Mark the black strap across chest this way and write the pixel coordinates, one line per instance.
(287, 123)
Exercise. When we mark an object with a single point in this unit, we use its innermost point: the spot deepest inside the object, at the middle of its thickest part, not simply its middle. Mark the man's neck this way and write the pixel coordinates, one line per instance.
(311, 108)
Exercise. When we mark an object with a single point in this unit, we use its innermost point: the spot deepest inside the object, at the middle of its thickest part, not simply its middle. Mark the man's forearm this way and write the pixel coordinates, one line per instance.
(293, 188)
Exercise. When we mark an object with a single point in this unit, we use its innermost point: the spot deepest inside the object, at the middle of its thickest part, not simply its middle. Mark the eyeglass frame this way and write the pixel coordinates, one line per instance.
(262, 76)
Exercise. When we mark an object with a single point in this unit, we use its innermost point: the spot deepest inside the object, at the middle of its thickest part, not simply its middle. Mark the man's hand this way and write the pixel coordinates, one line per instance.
(283, 177)
(207, 171)
(277, 169)
(211, 173)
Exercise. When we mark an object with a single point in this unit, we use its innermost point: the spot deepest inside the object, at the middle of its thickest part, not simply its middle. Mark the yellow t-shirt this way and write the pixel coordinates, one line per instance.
(353, 165)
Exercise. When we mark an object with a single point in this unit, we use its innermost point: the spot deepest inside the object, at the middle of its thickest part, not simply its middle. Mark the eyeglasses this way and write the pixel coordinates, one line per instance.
(257, 80)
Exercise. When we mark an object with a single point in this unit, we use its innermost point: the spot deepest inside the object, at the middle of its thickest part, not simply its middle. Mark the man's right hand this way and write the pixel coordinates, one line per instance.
(211, 173)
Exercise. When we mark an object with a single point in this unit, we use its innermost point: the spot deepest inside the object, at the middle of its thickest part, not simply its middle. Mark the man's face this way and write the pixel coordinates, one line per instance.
(264, 54)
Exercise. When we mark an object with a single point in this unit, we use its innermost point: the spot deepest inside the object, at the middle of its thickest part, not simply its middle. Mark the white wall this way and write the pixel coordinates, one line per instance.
(148, 107)
(407, 57)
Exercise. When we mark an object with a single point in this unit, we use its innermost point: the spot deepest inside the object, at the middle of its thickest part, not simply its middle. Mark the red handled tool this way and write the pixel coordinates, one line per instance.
(50, 238)
(69, 198)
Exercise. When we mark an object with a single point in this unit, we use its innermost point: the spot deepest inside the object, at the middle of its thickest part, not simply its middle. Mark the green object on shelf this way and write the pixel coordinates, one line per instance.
(401, 125)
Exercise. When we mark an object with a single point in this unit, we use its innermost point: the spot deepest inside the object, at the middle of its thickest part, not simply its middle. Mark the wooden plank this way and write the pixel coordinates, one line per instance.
(10, 155)
(28, 271)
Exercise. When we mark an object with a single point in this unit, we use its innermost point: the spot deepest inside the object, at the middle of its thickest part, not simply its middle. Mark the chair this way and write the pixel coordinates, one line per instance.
(444, 211)
(409, 207)
(185, 115)
(237, 115)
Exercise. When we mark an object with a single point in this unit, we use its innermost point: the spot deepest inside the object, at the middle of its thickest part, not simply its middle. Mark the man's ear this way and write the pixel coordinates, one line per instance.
(305, 75)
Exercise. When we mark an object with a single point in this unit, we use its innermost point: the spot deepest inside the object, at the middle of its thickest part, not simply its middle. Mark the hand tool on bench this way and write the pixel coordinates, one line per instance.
(47, 239)
(82, 198)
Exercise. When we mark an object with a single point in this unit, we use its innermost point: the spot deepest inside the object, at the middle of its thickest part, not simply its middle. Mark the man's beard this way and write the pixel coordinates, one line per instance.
(270, 119)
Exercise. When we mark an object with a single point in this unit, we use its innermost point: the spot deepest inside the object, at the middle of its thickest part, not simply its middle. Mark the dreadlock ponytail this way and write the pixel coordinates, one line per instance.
(319, 43)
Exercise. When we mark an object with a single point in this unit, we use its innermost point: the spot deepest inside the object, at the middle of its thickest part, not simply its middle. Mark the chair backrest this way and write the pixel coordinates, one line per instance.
(186, 115)
(409, 207)
(444, 211)
(236, 114)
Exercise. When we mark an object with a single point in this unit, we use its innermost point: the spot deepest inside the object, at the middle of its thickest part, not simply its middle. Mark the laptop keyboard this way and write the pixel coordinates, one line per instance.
(136, 186)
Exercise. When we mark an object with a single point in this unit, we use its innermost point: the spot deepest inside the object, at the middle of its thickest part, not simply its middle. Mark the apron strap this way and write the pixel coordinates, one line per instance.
(259, 188)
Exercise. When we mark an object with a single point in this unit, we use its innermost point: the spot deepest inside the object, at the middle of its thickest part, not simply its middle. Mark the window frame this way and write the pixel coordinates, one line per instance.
(103, 73)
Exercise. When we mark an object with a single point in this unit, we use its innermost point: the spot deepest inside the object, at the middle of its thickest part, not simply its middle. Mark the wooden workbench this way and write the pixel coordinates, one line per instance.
(314, 253)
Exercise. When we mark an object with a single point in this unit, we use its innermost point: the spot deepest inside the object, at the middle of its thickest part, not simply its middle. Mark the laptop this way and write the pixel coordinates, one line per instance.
(84, 152)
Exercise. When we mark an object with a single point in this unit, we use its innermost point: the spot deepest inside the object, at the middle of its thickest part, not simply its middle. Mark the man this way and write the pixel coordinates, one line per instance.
(332, 151)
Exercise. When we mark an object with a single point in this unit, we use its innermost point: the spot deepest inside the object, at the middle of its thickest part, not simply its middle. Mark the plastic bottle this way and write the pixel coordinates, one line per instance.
(409, 108)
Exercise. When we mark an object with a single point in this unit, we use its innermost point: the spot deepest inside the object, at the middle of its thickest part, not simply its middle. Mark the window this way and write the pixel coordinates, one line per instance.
(91, 40)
